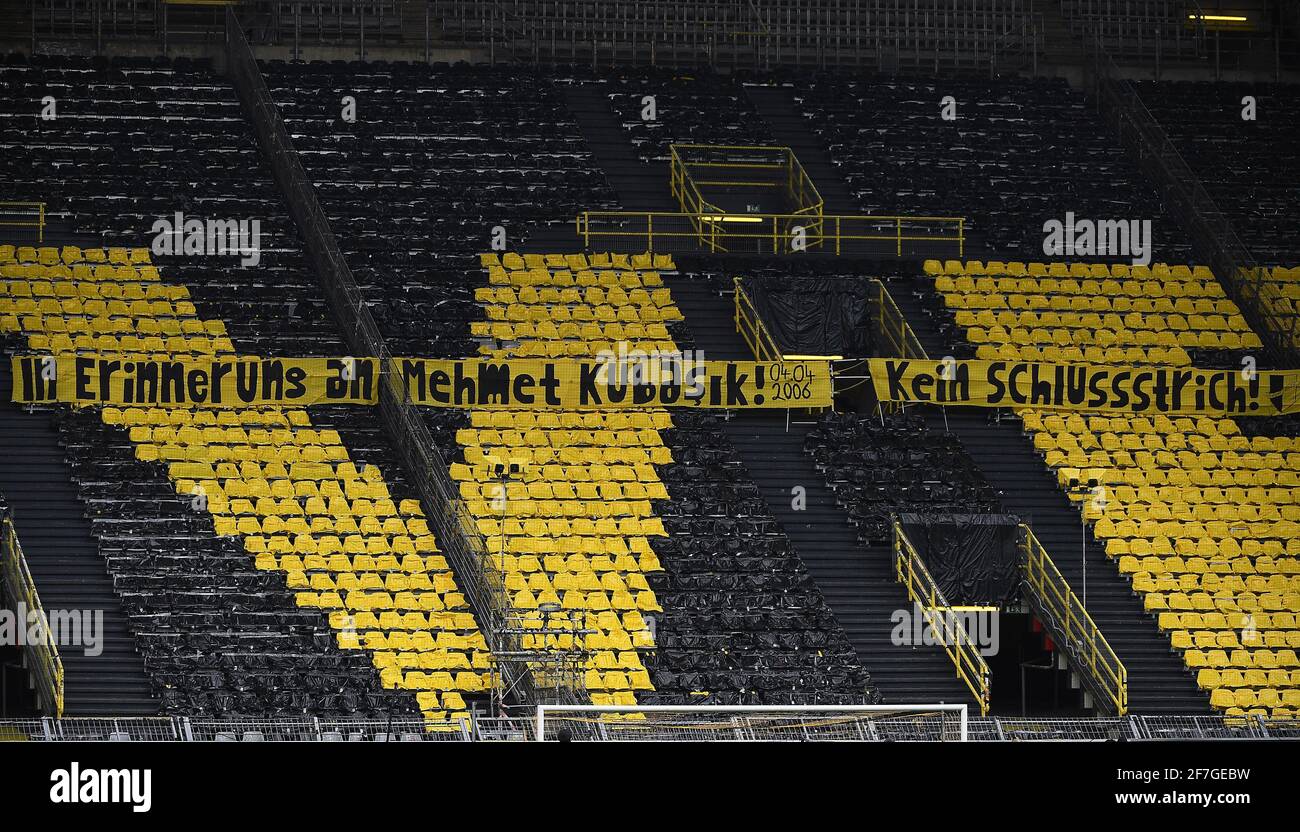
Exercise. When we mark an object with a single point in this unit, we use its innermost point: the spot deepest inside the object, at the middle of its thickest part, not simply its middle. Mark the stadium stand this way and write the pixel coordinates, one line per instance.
(413, 207)
(677, 512)
(1025, 151)
(1200, 516)
(291, 495)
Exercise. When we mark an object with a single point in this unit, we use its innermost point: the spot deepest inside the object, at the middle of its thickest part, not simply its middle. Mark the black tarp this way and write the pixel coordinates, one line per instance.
(813, 315)
(973, 558)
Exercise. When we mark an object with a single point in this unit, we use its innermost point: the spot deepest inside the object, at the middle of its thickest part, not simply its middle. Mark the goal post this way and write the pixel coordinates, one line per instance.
(752, 723)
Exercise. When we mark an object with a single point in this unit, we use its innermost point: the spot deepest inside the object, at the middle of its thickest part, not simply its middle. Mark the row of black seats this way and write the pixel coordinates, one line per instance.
(743, 621)
(1018, 153)
(882, 465)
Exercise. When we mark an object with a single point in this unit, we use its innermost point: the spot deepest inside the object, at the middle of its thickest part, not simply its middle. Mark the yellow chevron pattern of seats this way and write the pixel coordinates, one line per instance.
(573, 528)
(1204, 520)
(266, 475)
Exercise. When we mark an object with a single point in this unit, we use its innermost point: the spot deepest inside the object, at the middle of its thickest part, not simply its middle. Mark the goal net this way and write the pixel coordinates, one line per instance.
(752, 723)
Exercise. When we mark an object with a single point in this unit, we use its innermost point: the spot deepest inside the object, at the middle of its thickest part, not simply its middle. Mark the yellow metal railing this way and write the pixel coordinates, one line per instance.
(1064, 614)
(710, 228)
(924, 592)
(42, 656)
(893, 327)
(24, 215)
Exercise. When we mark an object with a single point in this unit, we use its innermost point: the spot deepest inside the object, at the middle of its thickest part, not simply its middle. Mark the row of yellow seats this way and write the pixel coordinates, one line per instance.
(591, 546)
(617, 680)
(275, 539)
(50, 255)
(578, 260)
(1221, 601)
(61, 323)
(451, 701)
(590, 295)
(573, 599)
(1253, 546)
(564, 349)
(156, 309)
(558, 438)
(1208, 426)
(540, 491)
(1078, 304)
(1190, 582)
(173, 349)
(569, 330)
(87, 281)
(1137, 472)
(1191, 497)
(248, 417)
(438, 680)
(1188, 459)
(1119, 326)
(572, 419)
(1135, 320)
(304, 480)
(1278, 704)
(625, 280)
(1277, 677)
(408, 565)
(1136, 356)
(285, 454)
(450, 629)
(1235, 621)
(571, 509)
(1230, 640)
(1060, 269)
(1124, 440)
(618, 527)
(357, 600)
(480, 459)
(412, 659)
(292, 533)
(440, 582)
(1223, 532)
(90, 293)
(382, 509)
(637, 556)
(582, 313)
(1063, 337)
(190, 434)
(579, 581)
(1184, 296)
(556, 473)
(1242, 658)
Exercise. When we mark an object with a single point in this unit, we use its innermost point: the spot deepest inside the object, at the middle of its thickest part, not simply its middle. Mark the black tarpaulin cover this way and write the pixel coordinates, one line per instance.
(813, 315)
(972, 557)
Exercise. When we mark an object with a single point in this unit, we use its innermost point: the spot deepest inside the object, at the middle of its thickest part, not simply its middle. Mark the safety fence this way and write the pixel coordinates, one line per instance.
(24, 215)
(742, 233)
(1071, 627)
(947, 629)
(901, 727)
(40, 654)
(695, 169)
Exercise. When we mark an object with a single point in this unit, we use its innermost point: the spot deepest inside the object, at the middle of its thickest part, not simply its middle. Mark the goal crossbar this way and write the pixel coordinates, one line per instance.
(753, 723)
